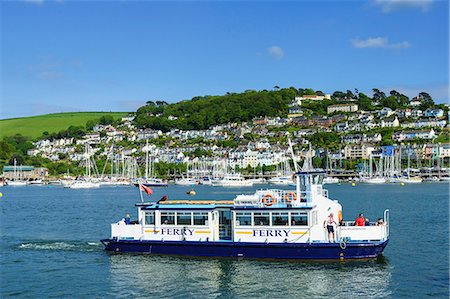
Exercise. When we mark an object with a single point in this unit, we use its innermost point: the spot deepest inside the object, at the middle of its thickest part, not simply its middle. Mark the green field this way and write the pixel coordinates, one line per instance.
(34, 126)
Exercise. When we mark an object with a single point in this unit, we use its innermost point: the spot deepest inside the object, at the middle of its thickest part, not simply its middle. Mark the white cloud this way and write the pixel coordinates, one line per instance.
(378, 42)
(388, 6)
(276, 52)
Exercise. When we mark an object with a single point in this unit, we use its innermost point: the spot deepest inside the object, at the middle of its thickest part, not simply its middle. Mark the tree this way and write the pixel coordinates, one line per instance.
(338, 95)
(364, 102)
(320, 93)
(317, 162)
(378, 95)
(18, 157)
(427, 101)
(106, 120)
(310, 92)
(90, 124)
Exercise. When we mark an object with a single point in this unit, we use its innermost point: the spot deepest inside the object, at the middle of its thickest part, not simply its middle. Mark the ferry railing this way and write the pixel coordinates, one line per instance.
(278, 195)
(386, 221)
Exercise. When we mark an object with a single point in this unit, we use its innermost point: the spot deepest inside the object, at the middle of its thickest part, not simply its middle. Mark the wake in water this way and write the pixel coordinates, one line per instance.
(61, 246)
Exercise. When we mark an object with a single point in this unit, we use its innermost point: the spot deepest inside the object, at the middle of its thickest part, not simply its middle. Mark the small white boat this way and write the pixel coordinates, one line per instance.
(330, 180)
(410, 180)
(431, 179)
(281, 180)
(17, 183)
(84, 185)
(445, 179)
(36, 182)
(374, 180)
(234, 180)
(186, 182)
(205, 181)
(257, 181)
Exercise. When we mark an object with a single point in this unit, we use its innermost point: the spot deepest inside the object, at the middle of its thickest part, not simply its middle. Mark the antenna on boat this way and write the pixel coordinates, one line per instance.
(292, 152)
(140, 192)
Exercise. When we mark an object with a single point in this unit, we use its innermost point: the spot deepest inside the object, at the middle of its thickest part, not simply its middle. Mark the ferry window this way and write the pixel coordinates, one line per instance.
(280, 219)
(299, 218)
(200, 218)
(168, 218)
(149, 218)
(184, 218)
(243, 219)
(261, 218)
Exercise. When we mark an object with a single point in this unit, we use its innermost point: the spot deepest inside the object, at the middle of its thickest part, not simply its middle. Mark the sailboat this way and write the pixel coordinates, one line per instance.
(186, 181)
(16, 177)
(377, 179)
(408, 179)
(86, 182)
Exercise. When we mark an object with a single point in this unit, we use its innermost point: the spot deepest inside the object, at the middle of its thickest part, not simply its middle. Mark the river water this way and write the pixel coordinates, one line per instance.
(50, 249)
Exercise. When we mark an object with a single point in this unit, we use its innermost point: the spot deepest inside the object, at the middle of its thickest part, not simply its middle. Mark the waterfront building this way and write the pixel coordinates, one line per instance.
(24, 172)
(358, 151)
(342, 108)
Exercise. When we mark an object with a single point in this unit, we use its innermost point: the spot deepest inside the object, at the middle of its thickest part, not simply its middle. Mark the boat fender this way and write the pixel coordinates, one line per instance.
(267, 203)
(342, 244)
(290, 196)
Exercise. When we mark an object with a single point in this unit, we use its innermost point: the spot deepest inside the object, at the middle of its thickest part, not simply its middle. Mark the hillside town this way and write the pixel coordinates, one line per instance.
(260, 147)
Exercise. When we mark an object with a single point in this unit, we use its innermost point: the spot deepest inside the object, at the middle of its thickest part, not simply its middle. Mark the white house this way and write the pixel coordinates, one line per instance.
(415, 102)
(385, 112)
(410, 135)
(433, 113)
(416, 113)
(390, 122)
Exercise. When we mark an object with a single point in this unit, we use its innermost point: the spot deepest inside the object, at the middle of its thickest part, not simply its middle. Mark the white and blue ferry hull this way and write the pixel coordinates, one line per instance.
(299, 251)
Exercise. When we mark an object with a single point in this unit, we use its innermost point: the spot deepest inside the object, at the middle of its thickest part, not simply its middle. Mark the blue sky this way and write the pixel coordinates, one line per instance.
(116, 55)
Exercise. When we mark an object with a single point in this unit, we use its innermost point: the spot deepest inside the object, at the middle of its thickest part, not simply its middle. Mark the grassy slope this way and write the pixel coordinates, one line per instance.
(34, 126)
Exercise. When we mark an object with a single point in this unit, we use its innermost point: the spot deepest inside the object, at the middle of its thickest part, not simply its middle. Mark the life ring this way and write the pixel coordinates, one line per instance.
(291, 196)
(265, 202)
(342, 244)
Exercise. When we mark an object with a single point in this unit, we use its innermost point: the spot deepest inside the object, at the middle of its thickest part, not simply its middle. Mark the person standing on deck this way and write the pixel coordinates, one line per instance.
(360, 221)
(330, 224)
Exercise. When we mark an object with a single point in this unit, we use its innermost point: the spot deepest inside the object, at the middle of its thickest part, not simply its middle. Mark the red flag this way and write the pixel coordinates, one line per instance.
(145, 189)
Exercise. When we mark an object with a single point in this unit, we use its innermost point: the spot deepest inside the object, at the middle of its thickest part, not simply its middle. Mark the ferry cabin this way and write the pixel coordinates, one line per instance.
(268, 216)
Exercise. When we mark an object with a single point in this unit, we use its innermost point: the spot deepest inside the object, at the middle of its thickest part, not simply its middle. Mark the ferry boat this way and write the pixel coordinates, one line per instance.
(271, 224)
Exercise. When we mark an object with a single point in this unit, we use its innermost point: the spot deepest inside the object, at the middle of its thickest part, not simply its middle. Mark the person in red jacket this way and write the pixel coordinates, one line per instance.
(360, 220)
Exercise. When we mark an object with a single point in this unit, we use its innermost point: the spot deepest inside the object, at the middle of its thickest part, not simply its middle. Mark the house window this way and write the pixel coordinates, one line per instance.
(299, 219)
(261, 219)
(150, 218)
(184, 218)
(243, 219)
(200, 218)
(280, 219)
(168, 218)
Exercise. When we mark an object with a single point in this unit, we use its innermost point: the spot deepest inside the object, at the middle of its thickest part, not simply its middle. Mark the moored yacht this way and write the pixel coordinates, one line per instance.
(84, 184)
(272, 223)
(232, 180)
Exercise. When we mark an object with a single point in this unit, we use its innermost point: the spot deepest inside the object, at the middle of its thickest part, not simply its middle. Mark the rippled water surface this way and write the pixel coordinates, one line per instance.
(50, 249)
